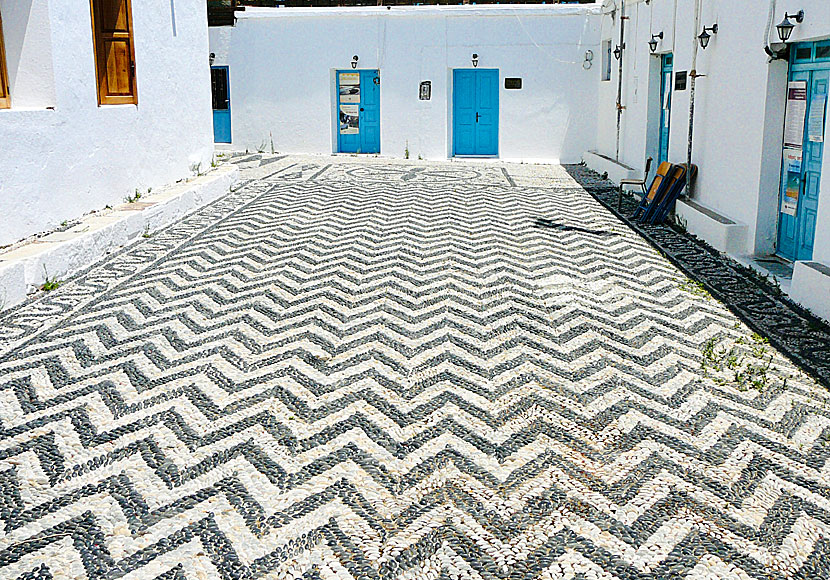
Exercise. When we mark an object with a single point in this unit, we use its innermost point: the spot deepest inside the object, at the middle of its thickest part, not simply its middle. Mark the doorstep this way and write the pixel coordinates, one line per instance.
(717, 230)
(24, 268)
(615, 170)
(811, 287)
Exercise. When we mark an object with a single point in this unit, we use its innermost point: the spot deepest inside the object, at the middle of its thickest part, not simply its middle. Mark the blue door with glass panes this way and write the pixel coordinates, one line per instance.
(221, 96)
(358, 111)
(475, 121)
(801, 169)
(665, 107)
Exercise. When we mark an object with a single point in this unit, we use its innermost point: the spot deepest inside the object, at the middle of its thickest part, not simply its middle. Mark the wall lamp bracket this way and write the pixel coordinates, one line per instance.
(652, 44)
(704, 37)
(785, 29)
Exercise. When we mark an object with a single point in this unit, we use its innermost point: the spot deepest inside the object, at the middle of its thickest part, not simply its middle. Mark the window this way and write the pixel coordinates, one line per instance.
(112, 28)
(606, 60)
(5, 96)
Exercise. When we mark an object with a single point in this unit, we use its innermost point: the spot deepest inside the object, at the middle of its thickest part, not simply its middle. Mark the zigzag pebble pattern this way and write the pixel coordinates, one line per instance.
(370, 369)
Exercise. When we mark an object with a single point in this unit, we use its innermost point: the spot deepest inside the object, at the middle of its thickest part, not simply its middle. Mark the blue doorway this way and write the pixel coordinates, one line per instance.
(809, 81)
(667, 64)
(221, 96)
(475, 116)
(358, 111)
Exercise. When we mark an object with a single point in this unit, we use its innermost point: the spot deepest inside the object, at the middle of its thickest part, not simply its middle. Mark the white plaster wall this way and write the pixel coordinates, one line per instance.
(62, 162)
(739, 110)
(282, 64)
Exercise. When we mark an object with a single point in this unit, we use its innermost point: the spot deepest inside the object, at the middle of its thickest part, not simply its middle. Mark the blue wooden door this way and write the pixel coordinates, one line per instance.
(358, 111)
(797, 225)
(475, 112)
(666, 88)
(221, 95)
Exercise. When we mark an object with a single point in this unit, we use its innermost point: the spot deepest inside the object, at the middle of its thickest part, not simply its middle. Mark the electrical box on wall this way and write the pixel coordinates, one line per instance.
(680, 78)
(425, 90)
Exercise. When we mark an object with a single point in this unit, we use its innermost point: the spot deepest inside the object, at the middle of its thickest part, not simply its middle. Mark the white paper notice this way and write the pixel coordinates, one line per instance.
(815, 124)
(796, 114)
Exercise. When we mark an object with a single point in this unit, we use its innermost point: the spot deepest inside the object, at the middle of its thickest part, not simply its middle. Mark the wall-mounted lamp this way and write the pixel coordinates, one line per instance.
(354, 61)
(475, 60)
(704, 37)
(785, 29)
(589, 57)
(618, 51)
(652, 44)
(212, 58)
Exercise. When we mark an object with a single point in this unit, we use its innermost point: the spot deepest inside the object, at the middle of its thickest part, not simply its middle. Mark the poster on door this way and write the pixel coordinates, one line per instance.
(349, 119)
(796, 114)
(792, 186)
(349, 87)
(815, 124)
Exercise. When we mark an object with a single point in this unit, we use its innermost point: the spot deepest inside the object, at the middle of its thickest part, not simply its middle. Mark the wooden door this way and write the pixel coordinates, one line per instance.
(114, 52)
(5, 93)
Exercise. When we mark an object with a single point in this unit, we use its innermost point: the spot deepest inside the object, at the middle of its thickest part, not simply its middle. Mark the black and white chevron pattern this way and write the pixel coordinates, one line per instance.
(366, 369)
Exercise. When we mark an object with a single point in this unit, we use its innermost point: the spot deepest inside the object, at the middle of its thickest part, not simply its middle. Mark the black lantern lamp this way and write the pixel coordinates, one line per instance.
(785, 29)
(618, 51)
(475, 60)
(652, 44)
(354, 61)
(705, 37)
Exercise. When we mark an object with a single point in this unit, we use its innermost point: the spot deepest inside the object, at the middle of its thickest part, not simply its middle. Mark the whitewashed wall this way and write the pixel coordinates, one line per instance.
(739, 113)
(62, 154)
(282, 64)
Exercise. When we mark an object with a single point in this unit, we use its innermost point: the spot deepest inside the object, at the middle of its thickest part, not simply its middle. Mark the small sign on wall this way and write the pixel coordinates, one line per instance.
(425, 90)
(680, 78)
(513, 83)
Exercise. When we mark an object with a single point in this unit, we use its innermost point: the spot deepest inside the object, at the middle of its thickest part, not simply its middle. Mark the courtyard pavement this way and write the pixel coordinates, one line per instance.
(363, 368)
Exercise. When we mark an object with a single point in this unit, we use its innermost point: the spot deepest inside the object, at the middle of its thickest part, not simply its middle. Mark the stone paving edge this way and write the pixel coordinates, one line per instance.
(61, 254)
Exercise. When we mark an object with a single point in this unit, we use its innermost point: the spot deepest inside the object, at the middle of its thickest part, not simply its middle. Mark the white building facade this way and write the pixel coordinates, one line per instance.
(533, 68)
(763, 187)
(75, 140)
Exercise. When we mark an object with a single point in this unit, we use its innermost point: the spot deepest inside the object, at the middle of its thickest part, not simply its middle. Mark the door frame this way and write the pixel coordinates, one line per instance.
(336, 148)
(662, 126)
(451, 116)
(796, 66)
(228, 84)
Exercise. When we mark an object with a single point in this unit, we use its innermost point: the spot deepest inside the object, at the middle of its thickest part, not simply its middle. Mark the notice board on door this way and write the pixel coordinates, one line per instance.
(796, 114)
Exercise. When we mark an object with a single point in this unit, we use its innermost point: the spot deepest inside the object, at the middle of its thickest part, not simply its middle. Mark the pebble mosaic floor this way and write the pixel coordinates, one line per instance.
(360, 368)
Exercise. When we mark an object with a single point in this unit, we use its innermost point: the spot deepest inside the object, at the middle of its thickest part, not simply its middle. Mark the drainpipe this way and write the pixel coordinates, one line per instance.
(767, 47)
(620, 77)
(694, 76)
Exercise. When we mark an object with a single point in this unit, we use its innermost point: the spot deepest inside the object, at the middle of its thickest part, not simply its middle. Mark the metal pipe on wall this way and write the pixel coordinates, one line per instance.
(620, 77)
(693, 82)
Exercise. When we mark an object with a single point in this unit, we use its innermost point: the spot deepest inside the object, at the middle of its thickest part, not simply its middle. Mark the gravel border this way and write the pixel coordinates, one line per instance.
(790, 328)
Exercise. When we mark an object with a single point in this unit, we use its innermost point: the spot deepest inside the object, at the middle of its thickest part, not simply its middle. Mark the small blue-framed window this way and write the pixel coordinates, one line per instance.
(823, 51)
(802, 53)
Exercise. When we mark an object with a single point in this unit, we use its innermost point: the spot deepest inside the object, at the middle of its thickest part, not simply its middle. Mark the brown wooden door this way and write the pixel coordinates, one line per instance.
(114, 52)
(5, 96)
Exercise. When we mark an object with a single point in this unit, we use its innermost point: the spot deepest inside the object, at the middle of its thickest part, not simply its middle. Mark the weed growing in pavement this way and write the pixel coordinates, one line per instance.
(133, 198)
(50, 283)
(694, 287)
(744, 364)
(406, 151)
(147, 233)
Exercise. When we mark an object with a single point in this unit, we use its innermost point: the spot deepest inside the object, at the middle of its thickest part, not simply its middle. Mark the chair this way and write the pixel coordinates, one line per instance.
(634, 182)
(657, 188)
(675, 179)
(671, 196)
